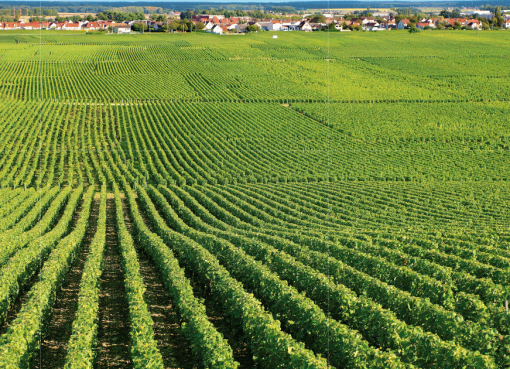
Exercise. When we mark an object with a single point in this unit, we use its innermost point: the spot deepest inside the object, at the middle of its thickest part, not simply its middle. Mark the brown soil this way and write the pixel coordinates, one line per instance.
(22, 297)
(113, 346)
(172, 344)
(231, 332)
(53, 349)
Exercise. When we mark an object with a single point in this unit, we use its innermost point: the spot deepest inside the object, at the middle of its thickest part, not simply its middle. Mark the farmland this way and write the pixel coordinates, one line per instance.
(197, 201)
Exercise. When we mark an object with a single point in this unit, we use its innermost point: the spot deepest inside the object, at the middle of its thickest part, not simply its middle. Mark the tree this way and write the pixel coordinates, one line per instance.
(447, 14)
(182, 27)
(498, 19)
(252, 28)
(187, 14)
(199, 26)
(173, 26)
(440, 26)
(413, 29)
(139, 27)
(318, 18)
(457, 25)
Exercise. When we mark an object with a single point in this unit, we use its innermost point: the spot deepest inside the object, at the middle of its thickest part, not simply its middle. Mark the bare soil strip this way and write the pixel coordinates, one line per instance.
(172, 344)
(232, 332)
(113, 325)
(53, 349)
(22, 297)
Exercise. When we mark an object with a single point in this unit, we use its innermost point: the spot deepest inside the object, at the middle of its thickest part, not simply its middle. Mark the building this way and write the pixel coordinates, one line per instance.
(217, 29)
(304, 26)
(93, 26)
(121, 28)
(31, 26)
(422, 25)
(481, 13)
(71, 26)
(404, 23)
(474, 25)
(271, 26)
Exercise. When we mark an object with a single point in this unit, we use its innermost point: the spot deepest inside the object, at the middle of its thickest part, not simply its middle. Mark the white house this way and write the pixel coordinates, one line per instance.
(404, 23)
(304, 26)
(506, 24)
(71, 26)
(271, 26)
(31, 26)
(291, 25)
(217, 30)
(474, 25)
(122, 28)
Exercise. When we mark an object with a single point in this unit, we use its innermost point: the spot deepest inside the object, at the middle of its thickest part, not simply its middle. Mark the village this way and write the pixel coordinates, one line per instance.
(220, 24)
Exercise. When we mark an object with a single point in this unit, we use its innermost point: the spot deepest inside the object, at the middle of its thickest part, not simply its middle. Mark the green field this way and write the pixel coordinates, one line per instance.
(196, 201)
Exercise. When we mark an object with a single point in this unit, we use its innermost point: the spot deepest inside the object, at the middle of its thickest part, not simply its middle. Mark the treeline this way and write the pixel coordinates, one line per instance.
(99, 6)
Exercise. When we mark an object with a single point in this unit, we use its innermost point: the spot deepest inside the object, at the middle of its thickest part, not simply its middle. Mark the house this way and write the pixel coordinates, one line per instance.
(506, 24)
(208, 26)
(71, 26)
(271, 26)
(422, 25)
(31, 26)
(372, 26)
(256, 24)
(365, 20)
(290, 25)
(474, 25)
(93, 26)
(304, 26)
(404, 23)
(201, 17)
(240, 27)
(217, 29)
(12, 25)
(121, 28)
(57, 25)
(388, 25)
(157, 25)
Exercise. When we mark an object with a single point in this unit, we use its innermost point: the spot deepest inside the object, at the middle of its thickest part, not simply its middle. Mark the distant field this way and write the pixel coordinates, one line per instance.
(78, 14)
(312, 201)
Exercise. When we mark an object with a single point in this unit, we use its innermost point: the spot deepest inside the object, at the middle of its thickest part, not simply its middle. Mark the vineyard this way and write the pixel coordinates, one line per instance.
(196, 201)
